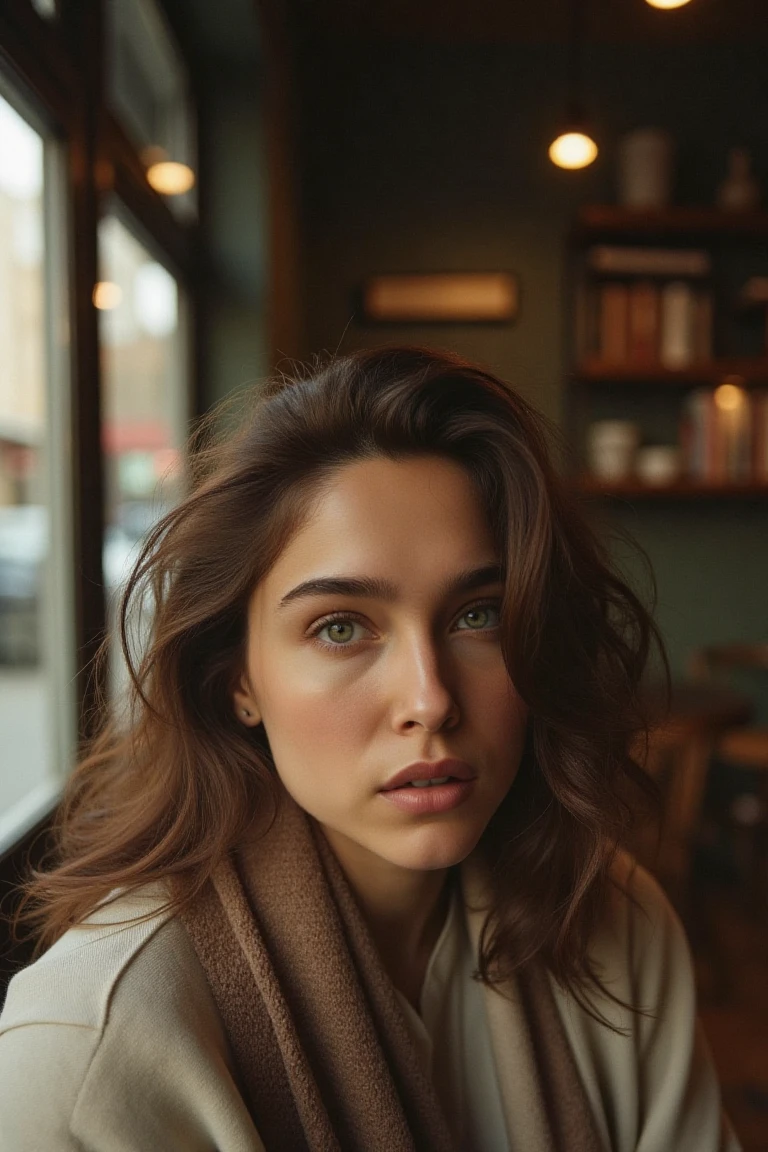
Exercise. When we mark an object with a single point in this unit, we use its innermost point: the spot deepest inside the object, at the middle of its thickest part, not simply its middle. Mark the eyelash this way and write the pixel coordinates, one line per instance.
(339, 617)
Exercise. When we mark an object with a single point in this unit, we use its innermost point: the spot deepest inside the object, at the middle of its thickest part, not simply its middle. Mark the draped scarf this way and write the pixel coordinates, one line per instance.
(322, 1051)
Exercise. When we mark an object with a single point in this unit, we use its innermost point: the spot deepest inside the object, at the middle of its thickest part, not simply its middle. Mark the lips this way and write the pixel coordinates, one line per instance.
(430, 770)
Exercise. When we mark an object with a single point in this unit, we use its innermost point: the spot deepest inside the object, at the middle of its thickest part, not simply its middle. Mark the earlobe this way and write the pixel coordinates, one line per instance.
(245, 706)
(248, 715)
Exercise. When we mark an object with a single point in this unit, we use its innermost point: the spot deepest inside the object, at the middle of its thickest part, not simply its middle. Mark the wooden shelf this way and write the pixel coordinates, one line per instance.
(602, 219)
(681, 489)
(753, 370)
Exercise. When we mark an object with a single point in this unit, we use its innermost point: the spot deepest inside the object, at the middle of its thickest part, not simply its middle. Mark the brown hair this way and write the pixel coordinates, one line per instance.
(182, 784)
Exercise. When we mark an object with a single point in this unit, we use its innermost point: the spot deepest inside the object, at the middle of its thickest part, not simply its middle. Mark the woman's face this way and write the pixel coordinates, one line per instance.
(391, 680)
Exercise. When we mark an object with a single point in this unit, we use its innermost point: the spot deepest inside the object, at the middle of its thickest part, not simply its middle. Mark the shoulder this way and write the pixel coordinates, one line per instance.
(641, 932)
(72, 981)
(109, 1014)
(647, 1068)
(640, 954)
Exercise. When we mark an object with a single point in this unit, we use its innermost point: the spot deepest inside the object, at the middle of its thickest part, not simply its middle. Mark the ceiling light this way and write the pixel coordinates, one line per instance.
(574, 147)
(170, 178)
(106, 295)
(573, 150)
(667, 3)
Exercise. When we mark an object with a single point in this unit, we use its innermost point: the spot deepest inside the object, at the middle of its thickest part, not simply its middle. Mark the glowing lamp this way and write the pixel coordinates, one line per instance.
(667, 3)
(106, 295)
(572, 150)
(170, 178)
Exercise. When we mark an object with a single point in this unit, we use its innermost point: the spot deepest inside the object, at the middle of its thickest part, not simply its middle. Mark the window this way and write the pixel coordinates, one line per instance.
(46, 8)
(148, 92)
(144, 402)
(94, 391)
(36, 633)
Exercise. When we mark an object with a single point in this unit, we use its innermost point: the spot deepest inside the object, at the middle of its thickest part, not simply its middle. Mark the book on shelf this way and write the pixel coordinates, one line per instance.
(642, 261)
(644, 323)
(703, 319)
(754, 291)
(725, 444)
(760, 436)
(686, 325)
(613, 323)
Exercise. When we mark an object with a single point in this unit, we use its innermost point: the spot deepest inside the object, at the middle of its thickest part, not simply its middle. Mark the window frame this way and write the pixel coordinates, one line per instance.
(57, 67)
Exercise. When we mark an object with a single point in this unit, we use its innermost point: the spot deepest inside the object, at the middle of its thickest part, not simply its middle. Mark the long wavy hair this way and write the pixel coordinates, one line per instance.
(169, 793)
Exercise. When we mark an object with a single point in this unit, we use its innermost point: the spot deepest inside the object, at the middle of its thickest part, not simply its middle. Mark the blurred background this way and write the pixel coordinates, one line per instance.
(573, 193)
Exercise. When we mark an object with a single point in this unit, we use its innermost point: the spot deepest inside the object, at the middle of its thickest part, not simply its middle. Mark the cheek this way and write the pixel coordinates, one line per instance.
(502, 716)
(310, 710)
(495, 701)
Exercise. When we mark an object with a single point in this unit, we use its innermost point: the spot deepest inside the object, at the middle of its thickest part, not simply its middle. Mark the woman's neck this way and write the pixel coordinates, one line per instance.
(405, 910)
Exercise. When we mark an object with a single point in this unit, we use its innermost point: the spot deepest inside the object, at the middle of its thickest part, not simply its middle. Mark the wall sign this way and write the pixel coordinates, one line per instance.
(441, 297)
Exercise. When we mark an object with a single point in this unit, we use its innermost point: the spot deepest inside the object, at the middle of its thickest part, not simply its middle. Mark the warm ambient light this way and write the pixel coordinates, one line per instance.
(667, 3)
(170, 178)
(729, 397)
(107, 295)
(572, 150)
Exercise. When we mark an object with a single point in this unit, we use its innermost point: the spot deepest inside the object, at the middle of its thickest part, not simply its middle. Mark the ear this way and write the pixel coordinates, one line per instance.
(246, 708)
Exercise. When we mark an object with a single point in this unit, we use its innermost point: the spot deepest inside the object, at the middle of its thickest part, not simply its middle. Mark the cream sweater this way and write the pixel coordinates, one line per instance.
(111, 1042)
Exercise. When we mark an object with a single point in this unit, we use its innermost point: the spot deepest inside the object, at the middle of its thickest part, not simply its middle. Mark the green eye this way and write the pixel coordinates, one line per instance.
(482, 611)
(345, 620)
(339, 624)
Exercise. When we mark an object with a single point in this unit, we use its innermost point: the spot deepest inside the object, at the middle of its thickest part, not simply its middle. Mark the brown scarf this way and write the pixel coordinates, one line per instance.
(320, 1043)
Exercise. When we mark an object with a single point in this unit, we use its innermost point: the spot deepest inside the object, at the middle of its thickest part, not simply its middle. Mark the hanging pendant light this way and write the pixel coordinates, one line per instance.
(169, 177)
(667, 3)
(574, 146)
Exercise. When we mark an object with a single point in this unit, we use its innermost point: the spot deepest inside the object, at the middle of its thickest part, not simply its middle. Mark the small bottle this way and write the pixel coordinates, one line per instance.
(739, 192)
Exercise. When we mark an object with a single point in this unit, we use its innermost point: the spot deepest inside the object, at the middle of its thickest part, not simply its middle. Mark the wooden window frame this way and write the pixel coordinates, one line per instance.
(58, 67)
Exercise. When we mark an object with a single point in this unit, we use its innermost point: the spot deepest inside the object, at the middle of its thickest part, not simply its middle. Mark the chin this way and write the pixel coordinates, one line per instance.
(430, 847)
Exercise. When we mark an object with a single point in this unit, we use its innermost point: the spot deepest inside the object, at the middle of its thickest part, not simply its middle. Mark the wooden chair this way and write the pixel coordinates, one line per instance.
(677, 755)
(743, 748)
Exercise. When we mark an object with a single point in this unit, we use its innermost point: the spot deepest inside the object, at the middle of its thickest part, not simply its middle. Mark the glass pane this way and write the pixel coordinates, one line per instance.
(35, 569)
(148, 91)
(144, 404)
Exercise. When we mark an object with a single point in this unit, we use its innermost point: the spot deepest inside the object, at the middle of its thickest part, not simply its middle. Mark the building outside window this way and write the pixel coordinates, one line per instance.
(36, 630)
(145, 405)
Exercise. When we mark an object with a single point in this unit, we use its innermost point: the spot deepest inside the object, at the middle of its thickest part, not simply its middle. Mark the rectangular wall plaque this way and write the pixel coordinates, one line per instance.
(458, 297)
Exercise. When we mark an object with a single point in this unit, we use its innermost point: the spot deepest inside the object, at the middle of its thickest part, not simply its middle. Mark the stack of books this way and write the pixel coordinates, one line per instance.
(724, 435)
(642, 311)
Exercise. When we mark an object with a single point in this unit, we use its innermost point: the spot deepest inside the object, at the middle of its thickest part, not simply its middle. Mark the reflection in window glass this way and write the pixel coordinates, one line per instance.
(46, 8)
(144, 405)
(149, 93)
(32, 636)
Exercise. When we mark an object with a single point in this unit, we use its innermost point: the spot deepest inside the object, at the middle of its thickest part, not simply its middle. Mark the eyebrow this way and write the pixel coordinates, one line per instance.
(368, 586)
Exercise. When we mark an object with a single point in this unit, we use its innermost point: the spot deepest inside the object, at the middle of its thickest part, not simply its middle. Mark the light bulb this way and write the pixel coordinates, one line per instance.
(170, 178)
(572, 150)
(667, 3)
(729, 396)
(106, 295)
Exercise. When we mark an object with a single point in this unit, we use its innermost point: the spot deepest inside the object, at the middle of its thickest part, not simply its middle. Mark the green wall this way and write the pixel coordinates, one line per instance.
(236, 223)
(421, 157)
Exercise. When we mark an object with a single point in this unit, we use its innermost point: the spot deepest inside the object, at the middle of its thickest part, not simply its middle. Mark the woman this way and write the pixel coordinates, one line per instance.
(266, 926)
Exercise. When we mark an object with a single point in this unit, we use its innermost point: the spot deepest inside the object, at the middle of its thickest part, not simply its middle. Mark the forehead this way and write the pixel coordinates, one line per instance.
(407, 516)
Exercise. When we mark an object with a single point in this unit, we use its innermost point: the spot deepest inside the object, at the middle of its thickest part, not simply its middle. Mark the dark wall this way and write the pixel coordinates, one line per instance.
(424, 157)
(236, 160)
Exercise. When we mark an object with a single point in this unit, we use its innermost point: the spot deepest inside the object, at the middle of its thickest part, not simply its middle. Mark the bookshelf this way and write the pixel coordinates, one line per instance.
(680, 490)
(594, 221)
(752, 370)
(666, 306)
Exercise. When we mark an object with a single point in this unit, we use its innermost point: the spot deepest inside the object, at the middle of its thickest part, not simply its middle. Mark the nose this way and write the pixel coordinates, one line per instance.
(421, 691)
